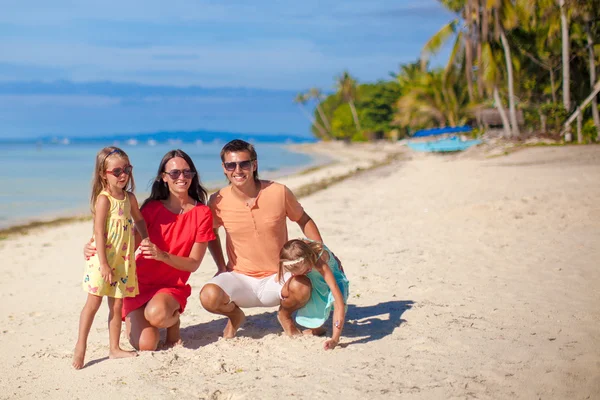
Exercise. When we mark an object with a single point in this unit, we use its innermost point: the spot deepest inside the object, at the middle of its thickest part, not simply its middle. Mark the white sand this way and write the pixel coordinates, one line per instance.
(470, 278)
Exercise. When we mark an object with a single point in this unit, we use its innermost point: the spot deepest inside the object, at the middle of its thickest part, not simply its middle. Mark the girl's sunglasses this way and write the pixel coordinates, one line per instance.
(120, 171)
(232, 165)
(176, 173)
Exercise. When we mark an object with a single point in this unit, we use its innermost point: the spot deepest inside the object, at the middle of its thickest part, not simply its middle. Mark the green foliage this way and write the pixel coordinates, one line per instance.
(328, 105)
(556, 115)
(377, 106)
(342, 124)
(431, 98)
(419, 97)
(590, 134)
(554, 111)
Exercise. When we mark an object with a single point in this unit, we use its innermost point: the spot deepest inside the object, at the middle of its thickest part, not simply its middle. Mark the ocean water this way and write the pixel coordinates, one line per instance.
(45, 181)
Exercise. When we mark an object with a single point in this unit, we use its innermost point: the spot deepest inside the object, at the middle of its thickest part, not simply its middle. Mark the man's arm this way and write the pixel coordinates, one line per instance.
(216, 251)
(309, 228)
(214, 246)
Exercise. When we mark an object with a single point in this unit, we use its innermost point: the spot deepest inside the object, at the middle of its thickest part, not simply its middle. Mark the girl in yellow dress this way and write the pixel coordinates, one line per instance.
(111, 271)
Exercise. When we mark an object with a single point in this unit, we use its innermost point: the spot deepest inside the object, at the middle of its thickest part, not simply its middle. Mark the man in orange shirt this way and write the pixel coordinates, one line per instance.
(253, 213)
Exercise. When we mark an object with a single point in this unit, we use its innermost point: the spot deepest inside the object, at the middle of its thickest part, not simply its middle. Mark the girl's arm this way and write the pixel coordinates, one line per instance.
(138, 218)
(102, 208)
(189, 264)
(339, 310)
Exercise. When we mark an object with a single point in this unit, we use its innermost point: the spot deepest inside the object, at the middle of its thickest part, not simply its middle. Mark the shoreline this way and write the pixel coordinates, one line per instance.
(333, 163)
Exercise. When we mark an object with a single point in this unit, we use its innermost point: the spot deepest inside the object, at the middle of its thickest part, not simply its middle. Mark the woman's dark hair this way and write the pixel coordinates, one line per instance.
(160, 189)
(237, 145)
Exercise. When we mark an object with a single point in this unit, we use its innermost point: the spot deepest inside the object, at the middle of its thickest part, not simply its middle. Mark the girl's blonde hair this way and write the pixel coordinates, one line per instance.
(297, 253)
(99, 182)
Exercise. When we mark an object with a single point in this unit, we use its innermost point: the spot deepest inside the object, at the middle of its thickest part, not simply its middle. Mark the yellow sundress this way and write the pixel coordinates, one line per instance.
(120, 242)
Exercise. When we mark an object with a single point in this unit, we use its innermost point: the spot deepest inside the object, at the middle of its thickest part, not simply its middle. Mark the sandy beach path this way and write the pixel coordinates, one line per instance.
(470, 278)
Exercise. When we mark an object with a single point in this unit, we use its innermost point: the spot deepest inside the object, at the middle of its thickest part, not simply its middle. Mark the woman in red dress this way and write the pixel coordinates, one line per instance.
(179, 229)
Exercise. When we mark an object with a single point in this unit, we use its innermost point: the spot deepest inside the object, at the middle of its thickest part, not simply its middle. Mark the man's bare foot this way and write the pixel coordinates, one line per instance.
(320, 331)
(79, 356)
(120, 353)
(288, 325)
(236, 319)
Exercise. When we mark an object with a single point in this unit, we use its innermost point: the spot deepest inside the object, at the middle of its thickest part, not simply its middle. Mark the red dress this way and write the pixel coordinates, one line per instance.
(175, 234)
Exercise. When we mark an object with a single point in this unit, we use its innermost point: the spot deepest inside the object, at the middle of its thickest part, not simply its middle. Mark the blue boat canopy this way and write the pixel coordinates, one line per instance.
(442, 131)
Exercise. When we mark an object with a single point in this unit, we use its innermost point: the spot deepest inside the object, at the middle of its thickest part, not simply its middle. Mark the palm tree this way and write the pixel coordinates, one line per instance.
(431, 96)
(316, 94)
(482, 25)
(505, 18)
(585, 10)
(491, 77)
(346, 87)
(301, 99)
(463, 42)
(540, 21)
(565, 55)
(510, 78)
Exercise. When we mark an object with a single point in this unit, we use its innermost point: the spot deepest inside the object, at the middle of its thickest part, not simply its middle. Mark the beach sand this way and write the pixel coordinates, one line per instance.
(470, 277)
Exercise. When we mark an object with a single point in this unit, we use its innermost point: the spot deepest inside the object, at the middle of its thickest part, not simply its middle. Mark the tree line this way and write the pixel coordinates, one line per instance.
(531, 62)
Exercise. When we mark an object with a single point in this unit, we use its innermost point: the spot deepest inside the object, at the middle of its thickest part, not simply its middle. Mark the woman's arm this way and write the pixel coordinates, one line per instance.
(189, 264)
(339, 311)
(102, 208)
(138, 218)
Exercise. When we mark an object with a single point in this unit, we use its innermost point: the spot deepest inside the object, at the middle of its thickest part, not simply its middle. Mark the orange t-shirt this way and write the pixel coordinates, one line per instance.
(255, 235)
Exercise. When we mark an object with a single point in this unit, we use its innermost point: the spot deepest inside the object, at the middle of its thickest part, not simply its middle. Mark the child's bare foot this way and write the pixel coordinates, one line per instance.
(120, 353)
(235, 321)
(79, 356)
(320, 331)
(288, 325)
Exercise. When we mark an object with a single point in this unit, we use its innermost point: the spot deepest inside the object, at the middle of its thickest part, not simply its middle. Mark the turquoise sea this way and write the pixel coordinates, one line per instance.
(41, 181)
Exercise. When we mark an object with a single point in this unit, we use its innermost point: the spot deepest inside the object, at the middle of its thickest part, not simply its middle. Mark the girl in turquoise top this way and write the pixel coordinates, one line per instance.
(329, 285)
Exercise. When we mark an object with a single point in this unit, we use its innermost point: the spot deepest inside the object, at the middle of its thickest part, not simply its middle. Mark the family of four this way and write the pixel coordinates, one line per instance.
(141, 257)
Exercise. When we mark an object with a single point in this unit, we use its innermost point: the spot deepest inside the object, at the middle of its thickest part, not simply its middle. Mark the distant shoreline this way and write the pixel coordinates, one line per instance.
(323, 154)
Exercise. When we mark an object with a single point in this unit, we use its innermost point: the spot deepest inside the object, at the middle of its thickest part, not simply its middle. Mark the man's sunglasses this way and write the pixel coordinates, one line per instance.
(232, 165)
(120, 171)
(176, 173)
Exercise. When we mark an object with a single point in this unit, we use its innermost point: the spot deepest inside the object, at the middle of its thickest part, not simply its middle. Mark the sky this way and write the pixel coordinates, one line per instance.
(81, 68)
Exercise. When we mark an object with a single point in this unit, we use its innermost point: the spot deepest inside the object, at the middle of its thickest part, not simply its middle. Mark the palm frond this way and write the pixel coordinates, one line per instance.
(435, 43)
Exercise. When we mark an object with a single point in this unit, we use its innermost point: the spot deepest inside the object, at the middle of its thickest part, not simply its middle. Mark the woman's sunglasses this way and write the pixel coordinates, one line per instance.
(232, 165)
(176, 173)
(120, 171)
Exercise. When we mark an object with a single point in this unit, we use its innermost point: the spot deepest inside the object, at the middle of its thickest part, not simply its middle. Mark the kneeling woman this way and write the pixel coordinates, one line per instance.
(179, 229)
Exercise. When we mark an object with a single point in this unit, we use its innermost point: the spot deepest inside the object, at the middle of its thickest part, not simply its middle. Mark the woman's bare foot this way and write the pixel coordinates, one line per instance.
(236, 319)
(166, 345)
(320, 331)
(79, 355)
(288, 325)
(120, 353)
(173, 336)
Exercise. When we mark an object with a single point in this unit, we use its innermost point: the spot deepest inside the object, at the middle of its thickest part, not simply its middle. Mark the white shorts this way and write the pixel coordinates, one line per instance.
(246, 291)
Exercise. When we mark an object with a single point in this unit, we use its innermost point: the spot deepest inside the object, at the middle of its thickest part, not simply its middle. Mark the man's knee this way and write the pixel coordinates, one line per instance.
(211, 297)
(299, 288)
